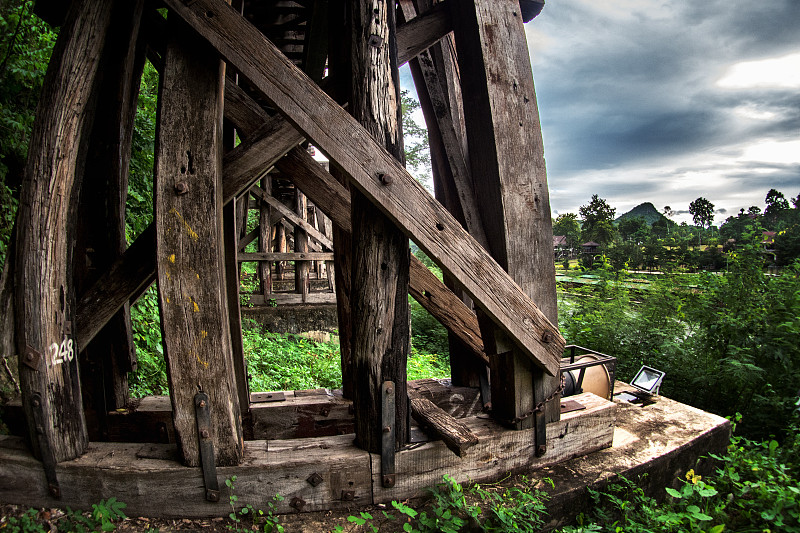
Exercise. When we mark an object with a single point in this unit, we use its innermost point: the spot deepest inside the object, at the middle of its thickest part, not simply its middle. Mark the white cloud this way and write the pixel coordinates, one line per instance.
(780, 73)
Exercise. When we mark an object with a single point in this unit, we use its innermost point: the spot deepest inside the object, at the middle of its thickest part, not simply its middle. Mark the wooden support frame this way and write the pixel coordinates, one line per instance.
(404, 201)
(189, 228)
(45, 295)
(143, 473)
(506, 149)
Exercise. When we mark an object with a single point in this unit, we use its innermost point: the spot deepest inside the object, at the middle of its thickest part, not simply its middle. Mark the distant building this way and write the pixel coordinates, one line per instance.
(560, 247)
(590, 247)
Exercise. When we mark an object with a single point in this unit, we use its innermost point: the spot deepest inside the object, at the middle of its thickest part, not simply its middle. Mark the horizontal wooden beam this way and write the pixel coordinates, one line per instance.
(278, 299)
(285, 256)
(422, 32)
(154, 484)
(379, 176)
(453, 433)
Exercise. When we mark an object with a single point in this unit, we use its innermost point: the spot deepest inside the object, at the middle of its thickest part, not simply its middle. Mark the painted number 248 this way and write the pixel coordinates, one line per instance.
(64, 352)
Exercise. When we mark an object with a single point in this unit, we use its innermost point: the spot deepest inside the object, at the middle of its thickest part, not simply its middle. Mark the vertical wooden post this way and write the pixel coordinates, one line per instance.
(106, 361)
(505, 149)
(300, 246)
(380, 250)
(45, 295)
(264, 241)
(189, 226)
(434, 73)
(280, 246)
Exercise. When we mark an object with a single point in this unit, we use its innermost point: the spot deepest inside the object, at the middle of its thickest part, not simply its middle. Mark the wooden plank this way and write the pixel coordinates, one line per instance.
(265, 236)
(506, 150)
(149, 480)
(286, 256)
(453, 433)
(101, 212)
(188, 219)
(499, 451)
(414, 36)
(45, 295)
(231, 246)
(277, 298)
(300, 246)
(293, 218)
(405, 201)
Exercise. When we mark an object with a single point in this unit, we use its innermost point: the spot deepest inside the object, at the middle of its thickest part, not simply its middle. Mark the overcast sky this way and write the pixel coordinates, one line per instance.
(665, 101)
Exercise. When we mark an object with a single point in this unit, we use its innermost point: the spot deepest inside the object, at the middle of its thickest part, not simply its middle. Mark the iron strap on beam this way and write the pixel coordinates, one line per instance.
(388, 476)
(207, 459)
(48, 459)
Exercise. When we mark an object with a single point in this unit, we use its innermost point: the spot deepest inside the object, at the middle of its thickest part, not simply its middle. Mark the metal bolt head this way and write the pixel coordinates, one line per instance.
(348, 495)
(388, 480)
(387, 429)
(29, 357)
(212, 495)
(547, 337)
(181, 187)
(202, 403)
(389, 390)
(297, 503)
(35, 402)
(541, 450)
(314, 479)
(204, 433)
(385, 179)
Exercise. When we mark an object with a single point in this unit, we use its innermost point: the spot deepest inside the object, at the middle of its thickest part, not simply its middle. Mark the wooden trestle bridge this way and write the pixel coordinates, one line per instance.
(279, 74)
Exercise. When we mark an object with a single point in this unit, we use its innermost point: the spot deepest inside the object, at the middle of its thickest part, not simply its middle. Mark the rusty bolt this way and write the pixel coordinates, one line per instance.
(385, 179)
(29, 356)
(541, 450)
(202, 403)
(55, 491)
(212, 495)
(297, 503)
(387, 429)
(389, 390)
(348, 495)
(204, 433)
(314, 479)
(181, 187)
(388, 480)
(547, 337)
(35, 402)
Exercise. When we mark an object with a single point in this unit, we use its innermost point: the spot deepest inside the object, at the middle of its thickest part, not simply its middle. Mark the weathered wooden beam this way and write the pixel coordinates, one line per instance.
(101, 212)
(401, 198)
(506, 151)
(45, 294)
(414, 36)
(188, 220)
(379, 300)
(294, 219)
(231, 248)
(265, 235)
(454, 434)
(282, 298)
(285, 256)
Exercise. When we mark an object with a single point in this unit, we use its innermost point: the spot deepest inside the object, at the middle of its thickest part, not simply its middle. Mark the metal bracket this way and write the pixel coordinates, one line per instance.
(48, 459)
(314, 479)
(207, 459)
(31, 358)
(388, 477)
(265, 397)
(567, 406)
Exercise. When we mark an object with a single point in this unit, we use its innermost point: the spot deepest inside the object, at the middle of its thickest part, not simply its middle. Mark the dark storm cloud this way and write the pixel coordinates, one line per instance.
(634, 83)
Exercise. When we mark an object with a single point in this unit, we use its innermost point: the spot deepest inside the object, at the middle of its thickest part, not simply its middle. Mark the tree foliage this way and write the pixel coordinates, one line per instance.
(26, 45)
(598, 219)
(567, 224)
(702, 212)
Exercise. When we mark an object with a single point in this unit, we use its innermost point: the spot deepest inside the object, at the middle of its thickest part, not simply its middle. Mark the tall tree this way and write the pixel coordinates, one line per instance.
(776, 203)
(594, 214)
(567, 224)
(702, 212)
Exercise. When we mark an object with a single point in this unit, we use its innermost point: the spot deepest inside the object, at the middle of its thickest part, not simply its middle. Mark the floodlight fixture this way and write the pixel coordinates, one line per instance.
(648, 380)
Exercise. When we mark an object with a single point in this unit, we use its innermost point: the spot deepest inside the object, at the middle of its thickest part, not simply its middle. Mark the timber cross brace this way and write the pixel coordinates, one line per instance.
(488, 228)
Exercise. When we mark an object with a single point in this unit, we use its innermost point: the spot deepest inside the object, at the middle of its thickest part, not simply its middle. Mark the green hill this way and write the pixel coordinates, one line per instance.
(646, 211)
